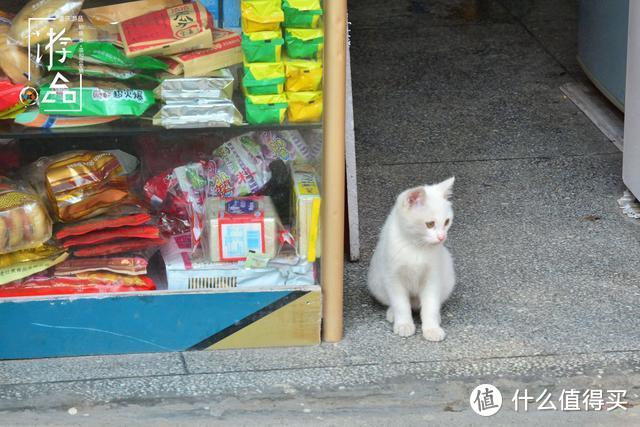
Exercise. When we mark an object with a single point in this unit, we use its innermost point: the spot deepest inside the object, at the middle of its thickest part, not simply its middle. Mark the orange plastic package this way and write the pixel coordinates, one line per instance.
(84, 184)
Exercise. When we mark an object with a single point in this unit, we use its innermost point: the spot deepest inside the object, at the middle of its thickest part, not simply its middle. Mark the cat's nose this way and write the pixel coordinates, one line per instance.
(441, 236)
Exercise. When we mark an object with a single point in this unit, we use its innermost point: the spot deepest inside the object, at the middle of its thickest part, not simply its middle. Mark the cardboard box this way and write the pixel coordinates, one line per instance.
(306, 205)
(226, 51)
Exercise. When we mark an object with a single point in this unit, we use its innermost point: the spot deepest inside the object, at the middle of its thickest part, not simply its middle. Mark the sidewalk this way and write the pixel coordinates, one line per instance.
(548, 280)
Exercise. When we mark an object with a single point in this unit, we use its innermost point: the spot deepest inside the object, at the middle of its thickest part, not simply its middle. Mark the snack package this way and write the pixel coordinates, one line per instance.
(99, 98)
(175, 68)
(196, 89)
(55, 10)
(86, 283)
(108, 17)
(304, 107)
(306, 204)
(263, 46)
(24, 221)
(188, 115)
(169, 31)
(15, 59)
(9, 96)
(266, 109)
(116, 217)
(236, 227)
(304, 43)
(105, 53)
(263, 78)
(287, 145)
(18, 265)
(302, 13)
(97, 71)
(303, 75)
(261, 15)
(36, 120)
(134, 265)
(119, 247)
(225, 52)
(106, 236)
(83, 184)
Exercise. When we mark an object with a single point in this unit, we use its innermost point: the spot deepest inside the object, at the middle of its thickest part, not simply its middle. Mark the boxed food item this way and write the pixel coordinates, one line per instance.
(306, 205)
(303, 75)
(261, 15)
(304, 107)
(108, 17)
(54, 10)
(169, 31)
(237, 226)
(304, 43)
(197, 89)
(302, 13)
(198, 114)
(189, 270)
(263, 78)
(105, 53)
(24, 221)
(263, 46)
(266, 109)
(225, 52)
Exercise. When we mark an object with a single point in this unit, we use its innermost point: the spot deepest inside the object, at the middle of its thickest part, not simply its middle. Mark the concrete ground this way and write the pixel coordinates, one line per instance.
(547, 294)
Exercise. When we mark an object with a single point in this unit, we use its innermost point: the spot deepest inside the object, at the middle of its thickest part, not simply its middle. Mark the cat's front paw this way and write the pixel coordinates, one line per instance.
(434, 334)
(404, 329)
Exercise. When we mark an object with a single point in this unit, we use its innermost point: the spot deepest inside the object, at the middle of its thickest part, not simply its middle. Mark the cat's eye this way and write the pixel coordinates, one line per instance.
(446, 222)
(431, 224)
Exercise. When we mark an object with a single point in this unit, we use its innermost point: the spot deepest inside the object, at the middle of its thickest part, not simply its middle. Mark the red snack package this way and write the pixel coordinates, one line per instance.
(119, 247)
(104, 236)
(84, 284)
(129, 265)
(120, 216)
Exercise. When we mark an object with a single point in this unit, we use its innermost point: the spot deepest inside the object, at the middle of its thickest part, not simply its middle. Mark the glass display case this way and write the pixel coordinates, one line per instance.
(210, 218)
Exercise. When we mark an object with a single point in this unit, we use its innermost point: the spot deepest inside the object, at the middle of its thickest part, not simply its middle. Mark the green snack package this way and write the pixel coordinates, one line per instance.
(266, 109)
(99, 71)
(302, 13)
(96, 99)
(105, 53)
(304, 43)
(263, 46)
(263, 78)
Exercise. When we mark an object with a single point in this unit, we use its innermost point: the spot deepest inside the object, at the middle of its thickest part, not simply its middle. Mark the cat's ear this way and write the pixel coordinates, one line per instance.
(446, 187)
(414, 197)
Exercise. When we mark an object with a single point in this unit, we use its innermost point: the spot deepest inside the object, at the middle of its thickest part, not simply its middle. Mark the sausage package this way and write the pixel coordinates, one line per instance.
(83, 184)
(24, 221)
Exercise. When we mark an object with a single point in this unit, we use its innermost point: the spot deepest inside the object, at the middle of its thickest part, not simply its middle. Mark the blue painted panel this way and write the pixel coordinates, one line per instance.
(121, 324)
(602, 44)
(231, 13)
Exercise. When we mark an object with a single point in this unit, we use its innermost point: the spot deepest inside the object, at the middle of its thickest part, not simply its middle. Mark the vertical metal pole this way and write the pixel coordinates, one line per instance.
(631, 149)
(333, 169)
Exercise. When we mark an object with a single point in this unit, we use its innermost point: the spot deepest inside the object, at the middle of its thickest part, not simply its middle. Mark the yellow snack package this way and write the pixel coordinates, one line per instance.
(15, 60)
(57, 14)
(18, 265)
(303, 75)
(304, 106)
(261, 15)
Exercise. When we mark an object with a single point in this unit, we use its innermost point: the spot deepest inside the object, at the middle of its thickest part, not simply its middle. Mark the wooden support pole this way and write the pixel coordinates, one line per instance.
(333, 169)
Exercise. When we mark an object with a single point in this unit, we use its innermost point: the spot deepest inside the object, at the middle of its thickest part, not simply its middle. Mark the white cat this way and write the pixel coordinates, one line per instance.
(411, 268)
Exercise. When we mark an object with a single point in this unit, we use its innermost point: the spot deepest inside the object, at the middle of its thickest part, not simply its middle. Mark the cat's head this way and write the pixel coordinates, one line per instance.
(426, 212)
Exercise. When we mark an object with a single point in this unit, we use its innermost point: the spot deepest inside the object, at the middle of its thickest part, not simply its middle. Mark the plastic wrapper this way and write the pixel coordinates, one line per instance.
(83, 184)
(131, 265)
(302, 13)
(304, 107)
(222, 113)
(110, 235)
(90, 283)
(119, 216)
(15, 59)
(18, 265)
(119, 247)
(263, 78)
(261, 15)
(34, 119)
(104, 53)
(225, 52)
(263, 46)
(266, 109)
(304, 43)
(240, 226)
(196, 89)
(96, 98)
(24, 221)
(9, 96)
(167, 32)
(57, 10)
(303, 75)
(306, 211)
(97, 71)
